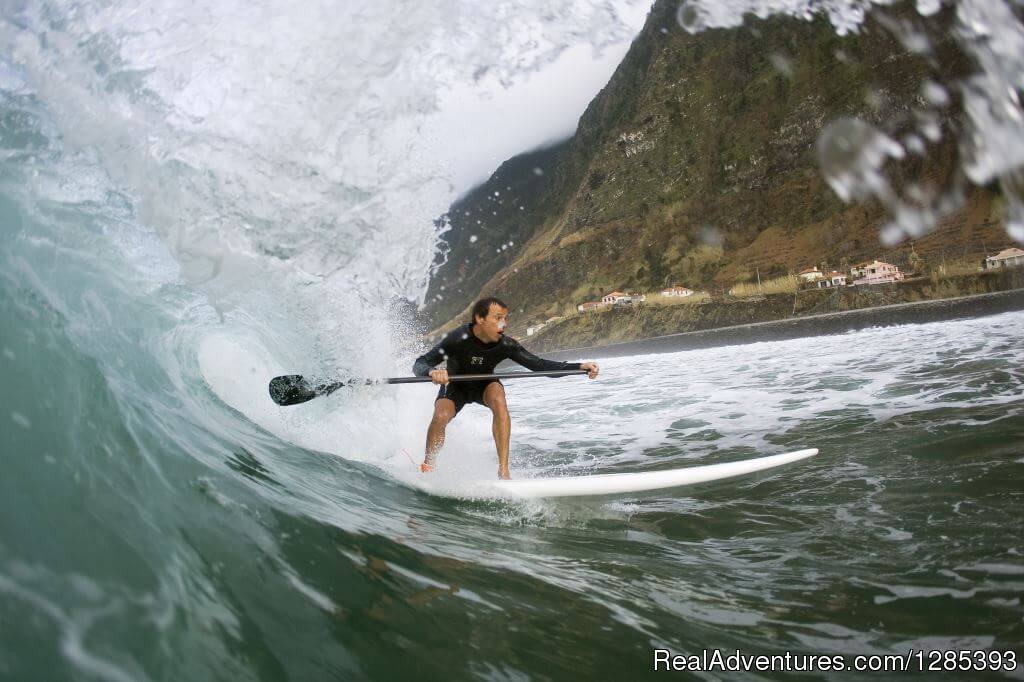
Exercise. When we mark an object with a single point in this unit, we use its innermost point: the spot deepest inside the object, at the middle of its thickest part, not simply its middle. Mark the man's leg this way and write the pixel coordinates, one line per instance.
(501, 425)
(444, 412)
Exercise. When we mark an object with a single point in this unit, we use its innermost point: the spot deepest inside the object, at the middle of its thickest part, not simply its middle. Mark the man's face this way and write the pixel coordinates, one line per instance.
(494, 324)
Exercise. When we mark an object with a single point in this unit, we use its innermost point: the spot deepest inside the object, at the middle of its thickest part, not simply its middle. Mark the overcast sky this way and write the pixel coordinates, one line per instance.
(479, 127)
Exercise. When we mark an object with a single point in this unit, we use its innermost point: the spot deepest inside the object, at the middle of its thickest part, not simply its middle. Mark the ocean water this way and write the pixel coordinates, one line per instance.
(195, 199)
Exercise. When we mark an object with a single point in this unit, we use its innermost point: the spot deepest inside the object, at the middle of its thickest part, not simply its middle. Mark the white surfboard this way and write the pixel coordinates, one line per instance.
(603, 485)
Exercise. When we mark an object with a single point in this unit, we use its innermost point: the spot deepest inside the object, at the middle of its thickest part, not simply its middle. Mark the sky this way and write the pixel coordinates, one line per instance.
(478, 127)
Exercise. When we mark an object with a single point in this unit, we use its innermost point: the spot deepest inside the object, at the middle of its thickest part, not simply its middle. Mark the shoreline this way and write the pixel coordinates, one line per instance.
(961, 307)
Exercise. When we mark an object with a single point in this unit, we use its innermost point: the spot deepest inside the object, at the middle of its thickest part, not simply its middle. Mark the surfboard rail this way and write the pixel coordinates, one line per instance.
(634, 482)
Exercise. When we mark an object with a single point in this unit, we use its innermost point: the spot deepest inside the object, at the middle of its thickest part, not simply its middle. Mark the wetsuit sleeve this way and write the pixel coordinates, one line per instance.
(530, 361)
(430, 359)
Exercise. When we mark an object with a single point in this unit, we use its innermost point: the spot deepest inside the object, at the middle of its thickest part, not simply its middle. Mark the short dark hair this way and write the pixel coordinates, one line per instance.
(482, 307)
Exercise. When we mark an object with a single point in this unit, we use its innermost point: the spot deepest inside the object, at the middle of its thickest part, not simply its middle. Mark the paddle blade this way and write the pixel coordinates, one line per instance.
(292, 389)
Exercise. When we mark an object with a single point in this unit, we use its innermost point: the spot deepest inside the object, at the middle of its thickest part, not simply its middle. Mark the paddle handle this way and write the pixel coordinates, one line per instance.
(479, 377)
(292, 389)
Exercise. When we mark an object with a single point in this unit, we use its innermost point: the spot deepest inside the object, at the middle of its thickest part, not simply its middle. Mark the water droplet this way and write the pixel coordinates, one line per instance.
(21, 420)
(930, 129)
(710, 236)
(851, 154)
(1015, 230)
(916, 43)
(538, 171)
(472, 238)
(688, 17)
(914, 144)
(782, 64)
(890, 235)
(935, 94)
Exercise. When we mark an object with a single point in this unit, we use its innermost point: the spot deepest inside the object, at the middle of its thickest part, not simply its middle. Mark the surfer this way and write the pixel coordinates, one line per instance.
(476, 348)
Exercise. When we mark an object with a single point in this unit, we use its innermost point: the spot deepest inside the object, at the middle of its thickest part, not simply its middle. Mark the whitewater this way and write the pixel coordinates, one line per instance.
(196, 198)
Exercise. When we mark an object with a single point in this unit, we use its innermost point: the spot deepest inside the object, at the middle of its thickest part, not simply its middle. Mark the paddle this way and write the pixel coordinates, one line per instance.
(293, 389)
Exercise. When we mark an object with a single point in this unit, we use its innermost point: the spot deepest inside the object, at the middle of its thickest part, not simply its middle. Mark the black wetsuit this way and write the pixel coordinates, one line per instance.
(466, 354)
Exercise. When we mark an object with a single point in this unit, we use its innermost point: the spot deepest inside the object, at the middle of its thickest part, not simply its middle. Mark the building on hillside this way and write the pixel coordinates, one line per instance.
(530, 331)
(832, 279)
(1007, 258)
(616, 297)
(677, 291)
(860, 269)
(810, 274)
(876, 272)
(590, 305)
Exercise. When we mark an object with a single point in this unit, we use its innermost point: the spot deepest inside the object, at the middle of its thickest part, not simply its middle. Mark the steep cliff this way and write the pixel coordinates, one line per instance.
(696, 164)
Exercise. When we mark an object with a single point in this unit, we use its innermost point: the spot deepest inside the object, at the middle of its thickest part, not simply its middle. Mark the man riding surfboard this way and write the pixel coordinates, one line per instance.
(476, 348)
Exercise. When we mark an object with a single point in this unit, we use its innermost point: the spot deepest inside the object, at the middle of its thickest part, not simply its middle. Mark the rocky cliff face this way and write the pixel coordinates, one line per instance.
(696, 165)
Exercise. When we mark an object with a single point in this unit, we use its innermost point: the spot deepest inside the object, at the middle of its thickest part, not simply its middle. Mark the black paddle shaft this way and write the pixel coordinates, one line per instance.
(293, 389)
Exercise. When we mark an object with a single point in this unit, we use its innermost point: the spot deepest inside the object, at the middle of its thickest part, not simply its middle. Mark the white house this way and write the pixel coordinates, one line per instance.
(875, 272)
(616, 297)
(832, 279)
(530, 331)
(1007, 258)
(677, 291)
(810, 274)
(859, 269)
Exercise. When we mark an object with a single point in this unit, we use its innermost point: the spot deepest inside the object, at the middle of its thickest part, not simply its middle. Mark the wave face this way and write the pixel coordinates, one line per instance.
(194, 199)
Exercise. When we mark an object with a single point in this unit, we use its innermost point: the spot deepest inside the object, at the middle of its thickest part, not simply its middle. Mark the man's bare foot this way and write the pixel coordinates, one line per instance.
(503, 475)
(427, 468)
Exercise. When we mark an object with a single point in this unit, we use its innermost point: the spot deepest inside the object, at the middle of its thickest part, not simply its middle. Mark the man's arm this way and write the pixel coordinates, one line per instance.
(534, 363)
(430, 359)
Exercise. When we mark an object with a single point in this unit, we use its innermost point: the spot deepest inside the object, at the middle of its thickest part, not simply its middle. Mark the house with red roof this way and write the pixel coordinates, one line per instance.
(1007, 258)
(875, 272)
(616, 297)
(832, 279)
(810, 274)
